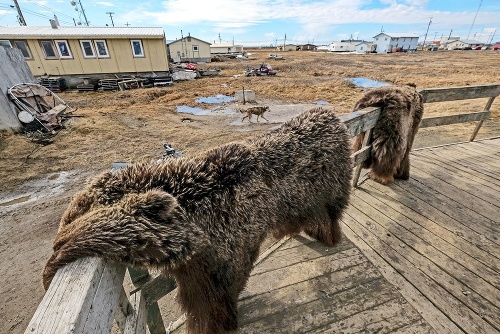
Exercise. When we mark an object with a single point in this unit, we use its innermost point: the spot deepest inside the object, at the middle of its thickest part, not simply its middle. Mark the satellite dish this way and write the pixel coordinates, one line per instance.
(25, 117)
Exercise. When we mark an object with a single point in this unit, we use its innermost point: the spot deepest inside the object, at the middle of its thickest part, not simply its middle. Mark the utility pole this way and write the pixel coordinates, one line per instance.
(111, 16)
(474, 20)
(492, 36)
(284, 44)
(425, 38)
(219, 39)
(449, 36)
(20, 14)
(127, 24)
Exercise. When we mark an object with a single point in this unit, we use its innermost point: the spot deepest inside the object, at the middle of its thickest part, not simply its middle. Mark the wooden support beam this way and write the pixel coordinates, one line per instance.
(459, 93)
(453, 119)
(82, 298)
(361, 120)
(357, 171)
(478, 126)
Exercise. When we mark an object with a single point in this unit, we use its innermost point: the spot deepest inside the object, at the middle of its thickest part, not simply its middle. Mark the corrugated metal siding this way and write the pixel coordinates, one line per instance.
(34, 32)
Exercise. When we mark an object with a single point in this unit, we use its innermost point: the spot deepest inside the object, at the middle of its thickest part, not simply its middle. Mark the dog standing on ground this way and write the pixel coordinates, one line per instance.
(401, 111)
(259, 111)
(202, 218)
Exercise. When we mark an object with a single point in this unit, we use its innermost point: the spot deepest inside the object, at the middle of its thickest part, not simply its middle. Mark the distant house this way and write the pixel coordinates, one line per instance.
(189, 49)
(322, 48)
(387, 41)
(225, 48)
(287, 47)
(307, 47)
(444, 41)
(341, 47)
(75, 52)
(462, 44)
(496, 46)
(363, 47)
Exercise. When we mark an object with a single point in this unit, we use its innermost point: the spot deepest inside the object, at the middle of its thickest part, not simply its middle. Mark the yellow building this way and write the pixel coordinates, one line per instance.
(73, 52)
(189, 49)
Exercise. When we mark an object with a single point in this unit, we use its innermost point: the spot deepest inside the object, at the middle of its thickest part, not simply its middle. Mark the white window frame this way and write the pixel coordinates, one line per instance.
(91, 47)
(30, 55)
(196, 48)
(65, 42)
(5, 40)
(133, 50)
(105, 48)
(53, 49)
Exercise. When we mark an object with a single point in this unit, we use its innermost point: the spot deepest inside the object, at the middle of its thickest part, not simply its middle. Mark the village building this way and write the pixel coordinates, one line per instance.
(387, 42)
(189, 49)
(341, 47)
(81, 51)
(363, 47)
(225, 48)
(464, 44)
(287, 47)
(307, 47)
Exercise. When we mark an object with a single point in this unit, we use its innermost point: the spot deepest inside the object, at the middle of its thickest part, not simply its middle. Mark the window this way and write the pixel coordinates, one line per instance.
(87, 49)
(386, 38)
(195, 48)
(5, 43)
(102, 48)
(23, 46)
(63, 49)
(48, 49)
(137, 48)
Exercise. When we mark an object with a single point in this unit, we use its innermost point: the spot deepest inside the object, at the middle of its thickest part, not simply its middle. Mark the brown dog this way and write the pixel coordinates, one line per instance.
(402, 109)
(259, 111)
(202, 218)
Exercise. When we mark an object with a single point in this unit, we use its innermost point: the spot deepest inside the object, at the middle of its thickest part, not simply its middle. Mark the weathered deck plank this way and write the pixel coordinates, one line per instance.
(438, 234)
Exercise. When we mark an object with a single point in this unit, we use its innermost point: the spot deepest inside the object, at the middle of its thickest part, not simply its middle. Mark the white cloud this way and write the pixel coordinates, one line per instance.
(104, 3)
(314, 18)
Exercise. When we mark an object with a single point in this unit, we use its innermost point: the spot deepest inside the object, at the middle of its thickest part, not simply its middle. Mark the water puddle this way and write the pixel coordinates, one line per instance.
(219, 98)
(191, 110)
(16, 201)
(321, 102)
(367, 83)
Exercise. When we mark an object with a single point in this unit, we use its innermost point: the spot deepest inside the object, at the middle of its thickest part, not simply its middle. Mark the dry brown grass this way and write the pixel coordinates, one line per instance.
(130, 126)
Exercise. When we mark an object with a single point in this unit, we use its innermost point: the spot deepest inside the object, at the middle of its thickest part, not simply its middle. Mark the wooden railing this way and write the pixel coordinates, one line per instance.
(86, 296)
(434, 95)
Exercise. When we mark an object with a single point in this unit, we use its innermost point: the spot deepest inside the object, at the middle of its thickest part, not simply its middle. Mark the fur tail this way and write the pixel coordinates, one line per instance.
(145, 228)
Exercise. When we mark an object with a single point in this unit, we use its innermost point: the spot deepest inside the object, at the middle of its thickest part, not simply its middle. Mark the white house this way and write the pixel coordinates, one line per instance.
(460, 44)
(341, 47)
(225, 48)
(363, 47)
(387, 41)
(322, 48)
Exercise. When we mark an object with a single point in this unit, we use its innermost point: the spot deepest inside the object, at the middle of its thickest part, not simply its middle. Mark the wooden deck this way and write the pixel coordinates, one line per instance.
(421, 256)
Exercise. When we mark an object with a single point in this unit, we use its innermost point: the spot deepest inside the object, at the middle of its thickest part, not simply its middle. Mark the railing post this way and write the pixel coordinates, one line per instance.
(478, 126)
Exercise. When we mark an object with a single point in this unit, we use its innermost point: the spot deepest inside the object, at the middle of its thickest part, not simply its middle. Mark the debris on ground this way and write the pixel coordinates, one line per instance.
(39, 109)
(263, 69)
(276, 56)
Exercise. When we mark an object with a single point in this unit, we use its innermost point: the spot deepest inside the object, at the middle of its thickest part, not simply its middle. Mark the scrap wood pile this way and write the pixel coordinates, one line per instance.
(38, 108)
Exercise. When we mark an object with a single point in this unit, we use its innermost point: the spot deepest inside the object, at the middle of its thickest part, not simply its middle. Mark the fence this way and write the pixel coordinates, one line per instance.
(86, 296)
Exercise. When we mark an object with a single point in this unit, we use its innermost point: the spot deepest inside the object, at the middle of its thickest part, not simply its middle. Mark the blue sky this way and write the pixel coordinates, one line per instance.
(266, 22)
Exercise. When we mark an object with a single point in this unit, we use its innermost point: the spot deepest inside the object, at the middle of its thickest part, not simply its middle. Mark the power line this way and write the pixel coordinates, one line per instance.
(45, 7)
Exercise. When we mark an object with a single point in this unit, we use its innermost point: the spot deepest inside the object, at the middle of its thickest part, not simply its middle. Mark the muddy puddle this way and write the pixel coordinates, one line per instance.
(367, 82)
(216, 99)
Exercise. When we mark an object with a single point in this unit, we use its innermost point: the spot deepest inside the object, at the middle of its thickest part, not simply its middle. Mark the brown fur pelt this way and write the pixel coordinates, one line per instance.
(202, 219)
(400, 115)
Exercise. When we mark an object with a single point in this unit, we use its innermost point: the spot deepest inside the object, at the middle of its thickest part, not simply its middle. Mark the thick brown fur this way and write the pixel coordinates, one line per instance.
(202, 219)
(259, 111)
(402, 109)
